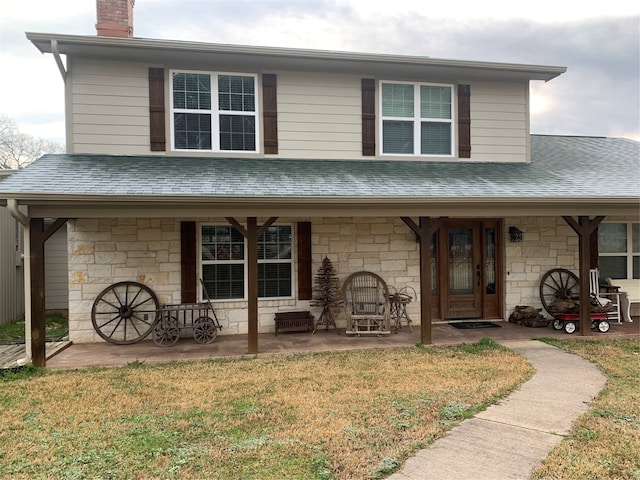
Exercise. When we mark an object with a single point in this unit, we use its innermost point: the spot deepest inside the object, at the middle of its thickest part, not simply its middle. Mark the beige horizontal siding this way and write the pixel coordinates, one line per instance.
(109, 103)
(499, 121)
(319, 115)
(56, 271)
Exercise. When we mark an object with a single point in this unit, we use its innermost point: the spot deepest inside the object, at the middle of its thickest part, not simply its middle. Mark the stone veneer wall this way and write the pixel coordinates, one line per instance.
(548, 243)
(104, 251)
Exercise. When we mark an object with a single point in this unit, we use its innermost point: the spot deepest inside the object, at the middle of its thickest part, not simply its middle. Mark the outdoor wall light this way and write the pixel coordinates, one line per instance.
(516, 235)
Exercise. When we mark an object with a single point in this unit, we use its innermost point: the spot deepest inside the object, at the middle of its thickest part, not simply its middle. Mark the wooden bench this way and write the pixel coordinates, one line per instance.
(302, 320)
(629, 293)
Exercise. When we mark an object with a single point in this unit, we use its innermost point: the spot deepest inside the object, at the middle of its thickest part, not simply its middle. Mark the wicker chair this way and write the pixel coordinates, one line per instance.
(366, 298)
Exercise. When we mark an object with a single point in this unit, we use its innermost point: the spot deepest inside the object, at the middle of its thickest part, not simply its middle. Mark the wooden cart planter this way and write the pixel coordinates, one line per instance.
(127, 312)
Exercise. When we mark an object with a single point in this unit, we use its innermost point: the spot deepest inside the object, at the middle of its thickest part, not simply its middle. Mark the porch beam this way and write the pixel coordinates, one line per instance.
(251, 234)
(584, 227)
(424, 230)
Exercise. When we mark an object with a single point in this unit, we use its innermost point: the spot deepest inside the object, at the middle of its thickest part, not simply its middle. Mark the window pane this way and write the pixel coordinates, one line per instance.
(192, 131)
(274, 279)
(490, 260)
(612, 238)
(435, 102)
(222, 243)
(224, 281)
(397, 137)
(275, 243)
(236, 93)
(237, 132)
(612, 267)
(635, 237)
(397, 100)
(435, 138)
(192, 91)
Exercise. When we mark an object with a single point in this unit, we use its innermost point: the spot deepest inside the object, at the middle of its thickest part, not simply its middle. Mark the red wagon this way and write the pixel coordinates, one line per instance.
(569, 322)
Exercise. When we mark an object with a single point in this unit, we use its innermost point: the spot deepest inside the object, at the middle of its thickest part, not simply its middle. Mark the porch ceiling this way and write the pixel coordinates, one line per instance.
(567, 176)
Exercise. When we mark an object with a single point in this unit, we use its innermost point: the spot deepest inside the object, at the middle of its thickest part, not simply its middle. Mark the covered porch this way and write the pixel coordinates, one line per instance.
(235, 346)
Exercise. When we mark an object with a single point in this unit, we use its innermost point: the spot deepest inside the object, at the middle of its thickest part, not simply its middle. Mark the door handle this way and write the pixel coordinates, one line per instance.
(478, 273)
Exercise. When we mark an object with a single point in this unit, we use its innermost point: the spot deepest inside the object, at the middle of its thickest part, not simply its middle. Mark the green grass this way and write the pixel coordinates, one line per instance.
(605, 442)
(56, 327)
(326, 416)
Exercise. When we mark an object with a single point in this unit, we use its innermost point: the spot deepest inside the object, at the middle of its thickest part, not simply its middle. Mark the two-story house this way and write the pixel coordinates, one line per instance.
(246, 166)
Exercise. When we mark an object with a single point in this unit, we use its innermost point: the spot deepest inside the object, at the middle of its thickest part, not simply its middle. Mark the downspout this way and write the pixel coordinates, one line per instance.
(16, 213)
(56, 56)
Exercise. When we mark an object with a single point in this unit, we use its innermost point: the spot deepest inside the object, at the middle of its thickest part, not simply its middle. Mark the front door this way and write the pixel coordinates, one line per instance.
(462, 272)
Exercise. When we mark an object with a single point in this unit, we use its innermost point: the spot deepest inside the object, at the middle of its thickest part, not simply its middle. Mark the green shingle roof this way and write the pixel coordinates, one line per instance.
(569, 167)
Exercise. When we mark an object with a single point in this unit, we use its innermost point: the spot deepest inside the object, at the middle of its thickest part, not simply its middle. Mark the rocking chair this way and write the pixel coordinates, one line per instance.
(366, 298)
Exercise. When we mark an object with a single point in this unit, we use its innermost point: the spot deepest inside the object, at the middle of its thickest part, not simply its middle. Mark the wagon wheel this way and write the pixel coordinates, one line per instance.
(125, 312)
(205, 330)
(166, 332)
(603, 326)
(558, 284)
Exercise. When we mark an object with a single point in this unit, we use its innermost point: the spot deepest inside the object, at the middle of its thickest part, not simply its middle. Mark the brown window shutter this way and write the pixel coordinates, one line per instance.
(464, 121)
(156, 110)
(305, 288)
(368, 117)
(270, 112)
(189, 261)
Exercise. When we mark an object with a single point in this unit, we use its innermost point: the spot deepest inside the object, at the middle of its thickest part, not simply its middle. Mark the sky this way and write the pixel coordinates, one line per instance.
(599, 43)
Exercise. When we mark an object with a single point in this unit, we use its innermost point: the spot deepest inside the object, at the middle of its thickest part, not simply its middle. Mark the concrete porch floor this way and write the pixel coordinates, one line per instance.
(105, 354)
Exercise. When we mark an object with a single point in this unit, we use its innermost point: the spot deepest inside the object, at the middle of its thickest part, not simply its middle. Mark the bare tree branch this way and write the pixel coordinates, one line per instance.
(18, 149)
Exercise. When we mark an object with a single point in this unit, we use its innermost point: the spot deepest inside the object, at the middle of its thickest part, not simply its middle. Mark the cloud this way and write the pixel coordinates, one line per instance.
(597, 96)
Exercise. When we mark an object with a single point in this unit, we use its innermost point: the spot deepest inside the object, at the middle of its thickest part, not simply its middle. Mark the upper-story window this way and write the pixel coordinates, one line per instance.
(214, 112)
(417, 119)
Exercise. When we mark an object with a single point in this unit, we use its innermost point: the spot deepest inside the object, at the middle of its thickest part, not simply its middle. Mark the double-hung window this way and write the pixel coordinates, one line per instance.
(214, 112)
(619, 250)
(223, 262)
(417, 119)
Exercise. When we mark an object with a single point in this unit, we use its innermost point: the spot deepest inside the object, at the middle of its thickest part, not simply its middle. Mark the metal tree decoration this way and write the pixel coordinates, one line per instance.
(326, 293)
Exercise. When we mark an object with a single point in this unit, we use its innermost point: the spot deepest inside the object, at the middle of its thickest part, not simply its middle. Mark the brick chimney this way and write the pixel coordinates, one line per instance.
(115, 18)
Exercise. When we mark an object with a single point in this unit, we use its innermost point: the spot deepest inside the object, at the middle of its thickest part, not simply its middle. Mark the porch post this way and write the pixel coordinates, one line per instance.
(424, 231)
(37, 237)
(252, 282)
(251, 234)
(425, 281)
(584, 227)
(36, 263)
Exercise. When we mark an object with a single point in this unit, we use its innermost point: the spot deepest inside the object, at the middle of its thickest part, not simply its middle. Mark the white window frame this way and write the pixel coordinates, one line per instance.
(215, 111)
(290, 261)
(417, 119)
(629, 254)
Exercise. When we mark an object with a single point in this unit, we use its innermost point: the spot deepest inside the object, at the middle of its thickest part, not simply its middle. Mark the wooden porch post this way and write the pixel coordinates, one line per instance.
(424, 231)
(37, 237)
(584, 227)
(36, 261)
(251, 234)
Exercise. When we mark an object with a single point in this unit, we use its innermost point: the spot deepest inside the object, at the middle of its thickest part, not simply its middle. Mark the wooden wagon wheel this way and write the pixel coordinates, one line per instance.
(166, 332)
(205, 330)
(125, 312)
(558, 284)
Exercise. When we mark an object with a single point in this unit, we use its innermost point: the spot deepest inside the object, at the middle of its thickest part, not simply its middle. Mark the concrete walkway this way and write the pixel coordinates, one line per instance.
(509, 440)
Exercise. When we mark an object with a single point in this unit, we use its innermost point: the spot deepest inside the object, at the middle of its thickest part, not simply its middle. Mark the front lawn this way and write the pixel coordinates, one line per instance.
(605, 442)
(338, 415)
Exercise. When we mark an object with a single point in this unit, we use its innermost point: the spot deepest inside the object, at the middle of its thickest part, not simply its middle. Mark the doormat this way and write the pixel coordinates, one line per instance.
(469, 325)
